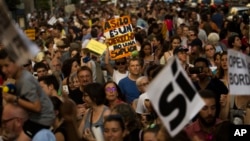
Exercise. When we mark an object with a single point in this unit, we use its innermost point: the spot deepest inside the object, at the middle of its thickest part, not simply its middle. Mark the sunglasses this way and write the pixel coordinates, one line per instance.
(120, 63)
(110, 89)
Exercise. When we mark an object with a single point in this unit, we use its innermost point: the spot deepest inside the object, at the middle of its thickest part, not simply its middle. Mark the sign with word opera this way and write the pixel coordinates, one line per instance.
(175, 100)
(119, 37)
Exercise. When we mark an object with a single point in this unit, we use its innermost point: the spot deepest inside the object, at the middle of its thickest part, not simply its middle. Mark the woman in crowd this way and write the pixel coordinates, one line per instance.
(209, 51)
(73, 82)
(132, 123)
(150, 133)
(65, 126)
(114, 122)
(146, 55)
(69, 67)
(94, 97)
(217, 60)
(240, 102)
(175, 41)
(113, 94)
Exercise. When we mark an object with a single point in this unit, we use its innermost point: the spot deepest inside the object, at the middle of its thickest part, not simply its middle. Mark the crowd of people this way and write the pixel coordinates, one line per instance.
(69, 93)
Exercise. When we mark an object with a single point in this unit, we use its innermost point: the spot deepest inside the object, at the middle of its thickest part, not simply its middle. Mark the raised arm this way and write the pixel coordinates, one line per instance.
(108, 66)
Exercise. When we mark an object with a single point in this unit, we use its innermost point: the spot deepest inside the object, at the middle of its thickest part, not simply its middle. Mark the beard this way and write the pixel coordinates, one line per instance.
(208, 121)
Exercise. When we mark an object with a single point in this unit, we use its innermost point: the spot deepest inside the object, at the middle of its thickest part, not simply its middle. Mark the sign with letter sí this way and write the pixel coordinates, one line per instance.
(18, 46)
(238, 72)
(119, 37)
(175, 99)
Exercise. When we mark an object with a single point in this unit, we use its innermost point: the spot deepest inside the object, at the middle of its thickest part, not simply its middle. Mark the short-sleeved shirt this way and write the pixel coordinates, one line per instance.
(194, 129)
(129, 89)
(29, 89)
(117, 76)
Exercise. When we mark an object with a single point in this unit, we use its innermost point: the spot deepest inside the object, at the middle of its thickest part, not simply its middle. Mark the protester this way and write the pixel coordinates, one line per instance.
(29, 96)
(206, 122)
(94, 97)
(113, 94)
(114, 122)
(121, 68)
(127, 84)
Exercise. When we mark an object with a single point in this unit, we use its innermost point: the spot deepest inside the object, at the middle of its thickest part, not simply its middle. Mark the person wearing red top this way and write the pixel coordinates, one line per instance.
(206, 124)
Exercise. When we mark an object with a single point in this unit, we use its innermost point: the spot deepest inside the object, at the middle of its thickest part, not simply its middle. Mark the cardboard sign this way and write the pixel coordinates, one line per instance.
(175, 99)
(52, 20)
(96, 46)
(238, 73)
(119, 37)
(69, 8)
(18, 46)
(31, 34)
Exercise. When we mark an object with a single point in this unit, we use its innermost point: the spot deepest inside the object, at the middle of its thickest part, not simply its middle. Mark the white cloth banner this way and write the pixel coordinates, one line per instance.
(18, 46)
(174, 97)
(238, 73)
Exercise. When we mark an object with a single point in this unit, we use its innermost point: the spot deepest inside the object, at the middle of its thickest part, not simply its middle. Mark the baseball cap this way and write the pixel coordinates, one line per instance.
(179, 49)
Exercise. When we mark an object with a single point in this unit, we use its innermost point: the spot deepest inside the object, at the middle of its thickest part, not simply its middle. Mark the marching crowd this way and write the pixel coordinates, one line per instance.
(69, 93)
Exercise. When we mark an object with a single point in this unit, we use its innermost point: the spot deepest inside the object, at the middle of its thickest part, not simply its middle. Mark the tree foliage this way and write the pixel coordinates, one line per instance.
(42, 4)
(11, 4)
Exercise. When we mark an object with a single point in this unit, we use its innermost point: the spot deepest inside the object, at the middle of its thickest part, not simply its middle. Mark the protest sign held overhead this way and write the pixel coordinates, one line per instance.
(239, 73)
(96, 46)
(119, 37)
(175, 99)
(14, 39)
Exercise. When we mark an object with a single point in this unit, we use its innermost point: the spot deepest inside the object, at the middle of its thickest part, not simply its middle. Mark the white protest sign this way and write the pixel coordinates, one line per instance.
(239, 73)
(52, 20)
(174, 97)
(18, 46)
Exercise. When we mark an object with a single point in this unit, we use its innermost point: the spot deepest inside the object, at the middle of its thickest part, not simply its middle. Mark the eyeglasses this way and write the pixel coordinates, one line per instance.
(111, 89)
(120, 63)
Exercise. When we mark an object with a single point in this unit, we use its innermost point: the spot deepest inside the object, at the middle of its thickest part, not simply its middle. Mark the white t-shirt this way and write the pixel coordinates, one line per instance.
(141, 108)
(117, 76)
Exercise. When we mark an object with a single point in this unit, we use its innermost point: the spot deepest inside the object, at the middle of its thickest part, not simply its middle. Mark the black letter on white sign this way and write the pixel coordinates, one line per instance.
(167, 108)
(185, 86)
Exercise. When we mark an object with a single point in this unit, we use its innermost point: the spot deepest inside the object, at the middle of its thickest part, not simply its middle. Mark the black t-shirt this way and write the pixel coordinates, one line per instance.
(76, 96)
(218, 87)
(61, 129)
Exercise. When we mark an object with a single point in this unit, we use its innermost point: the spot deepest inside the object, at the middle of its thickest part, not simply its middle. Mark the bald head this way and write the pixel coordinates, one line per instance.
(12, 110)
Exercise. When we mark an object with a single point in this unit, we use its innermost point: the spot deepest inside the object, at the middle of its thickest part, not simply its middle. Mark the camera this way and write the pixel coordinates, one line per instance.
(195, 70)
(237, 116)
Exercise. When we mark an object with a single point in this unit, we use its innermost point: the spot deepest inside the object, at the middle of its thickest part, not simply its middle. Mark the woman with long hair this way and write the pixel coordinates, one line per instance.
(175, 41)
(94, 97)
(146, 54)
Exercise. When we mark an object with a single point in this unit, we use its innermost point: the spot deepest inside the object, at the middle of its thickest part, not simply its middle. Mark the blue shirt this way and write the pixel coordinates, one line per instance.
(129, 89)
